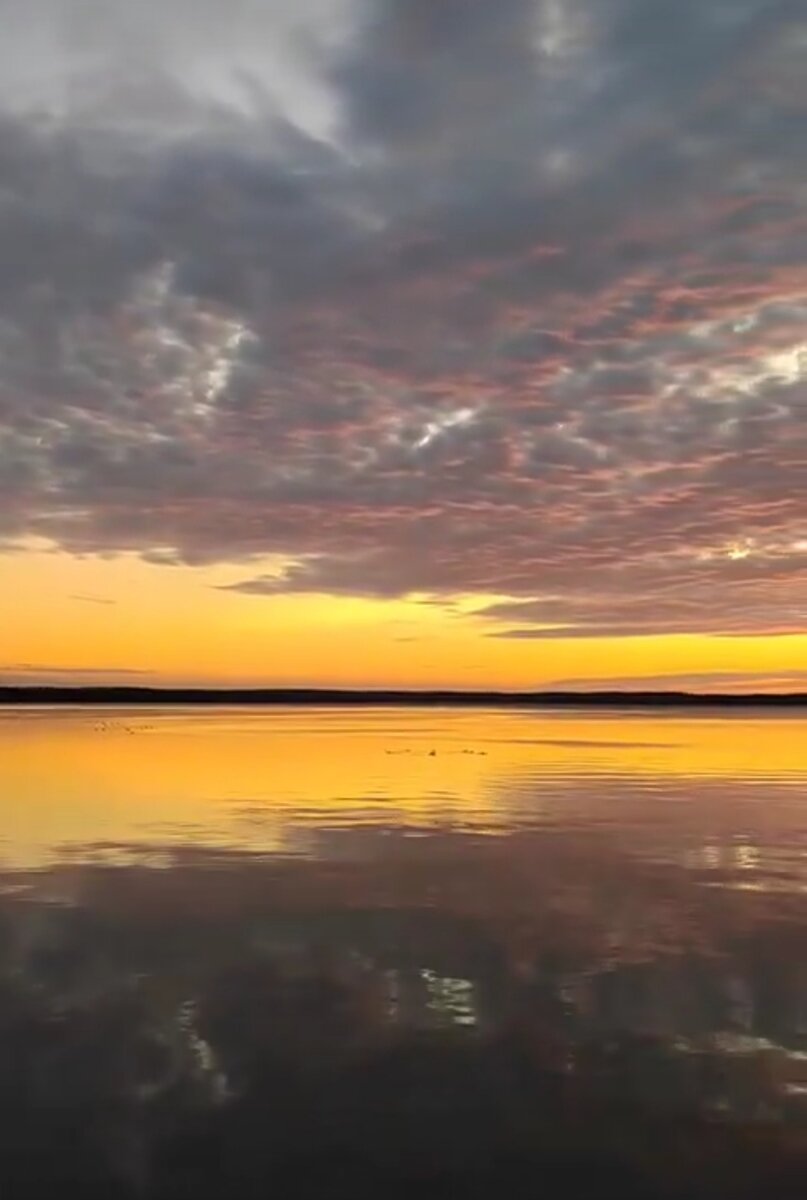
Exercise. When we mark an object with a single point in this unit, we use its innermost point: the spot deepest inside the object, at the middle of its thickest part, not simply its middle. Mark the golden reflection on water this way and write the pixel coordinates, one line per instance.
(71, 779)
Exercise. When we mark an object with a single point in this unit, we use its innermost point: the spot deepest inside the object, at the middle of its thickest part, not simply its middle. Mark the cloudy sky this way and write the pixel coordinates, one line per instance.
(404, 341)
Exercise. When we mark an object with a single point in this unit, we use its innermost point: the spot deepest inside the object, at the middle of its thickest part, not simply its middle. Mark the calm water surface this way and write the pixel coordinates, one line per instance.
(345, 952)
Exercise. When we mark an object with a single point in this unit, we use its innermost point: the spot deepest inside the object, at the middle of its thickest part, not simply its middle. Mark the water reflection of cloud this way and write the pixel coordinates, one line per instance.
(468, 987)
(566, 930)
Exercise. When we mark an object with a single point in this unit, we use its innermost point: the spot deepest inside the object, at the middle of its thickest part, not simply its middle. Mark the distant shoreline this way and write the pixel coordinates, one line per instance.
(398, 698)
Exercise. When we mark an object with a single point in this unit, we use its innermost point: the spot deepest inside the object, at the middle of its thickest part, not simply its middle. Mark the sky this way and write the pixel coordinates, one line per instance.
(404, 342)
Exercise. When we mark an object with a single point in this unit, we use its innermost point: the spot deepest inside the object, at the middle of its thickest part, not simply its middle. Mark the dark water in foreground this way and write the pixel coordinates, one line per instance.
(406, 953)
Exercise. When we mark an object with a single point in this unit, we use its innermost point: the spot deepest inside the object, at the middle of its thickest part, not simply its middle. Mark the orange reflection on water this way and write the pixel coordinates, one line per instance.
(255, 778)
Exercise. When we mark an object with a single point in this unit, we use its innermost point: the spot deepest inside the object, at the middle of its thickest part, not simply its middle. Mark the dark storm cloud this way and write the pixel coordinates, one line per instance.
(449, 298)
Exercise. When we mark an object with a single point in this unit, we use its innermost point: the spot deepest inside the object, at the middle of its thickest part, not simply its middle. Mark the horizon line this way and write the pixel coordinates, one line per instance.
(116, 693)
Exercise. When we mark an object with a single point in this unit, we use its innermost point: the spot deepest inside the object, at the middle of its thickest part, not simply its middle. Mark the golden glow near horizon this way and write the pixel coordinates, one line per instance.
(120, 619)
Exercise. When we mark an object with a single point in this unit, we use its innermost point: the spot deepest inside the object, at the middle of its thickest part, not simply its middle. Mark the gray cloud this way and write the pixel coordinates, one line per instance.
(426, 298)
(649, 629)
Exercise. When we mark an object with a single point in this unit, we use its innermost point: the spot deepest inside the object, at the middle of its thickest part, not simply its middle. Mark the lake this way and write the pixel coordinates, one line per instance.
(402, 951)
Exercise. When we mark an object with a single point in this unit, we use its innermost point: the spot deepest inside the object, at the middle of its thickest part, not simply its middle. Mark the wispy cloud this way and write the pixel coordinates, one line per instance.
(94, 599)
(695, 680)
(42, 670)
(646, 629)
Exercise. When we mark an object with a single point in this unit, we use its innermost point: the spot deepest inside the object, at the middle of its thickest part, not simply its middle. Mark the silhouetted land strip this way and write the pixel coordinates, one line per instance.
(355, 698)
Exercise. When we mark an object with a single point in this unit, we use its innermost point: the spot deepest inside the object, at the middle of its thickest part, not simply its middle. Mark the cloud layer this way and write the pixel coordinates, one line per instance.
(443, 298)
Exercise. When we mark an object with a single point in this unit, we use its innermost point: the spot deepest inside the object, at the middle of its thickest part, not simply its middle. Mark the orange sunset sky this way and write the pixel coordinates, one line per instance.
(92, 620)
